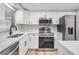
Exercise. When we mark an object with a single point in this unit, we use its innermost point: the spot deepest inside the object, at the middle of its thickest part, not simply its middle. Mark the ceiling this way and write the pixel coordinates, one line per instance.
(51, 6)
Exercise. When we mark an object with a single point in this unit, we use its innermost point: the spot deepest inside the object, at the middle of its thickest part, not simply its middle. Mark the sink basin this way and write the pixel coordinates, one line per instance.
(15, 36)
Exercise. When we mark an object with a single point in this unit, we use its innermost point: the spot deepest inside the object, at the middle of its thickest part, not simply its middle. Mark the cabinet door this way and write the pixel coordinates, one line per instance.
(29, 41)
(19, 17)
(26, 18)
(22, 17)
(55, 20)
(2, 11)
(34, 18)
(34, 41)
(23, 46)
(49, 14)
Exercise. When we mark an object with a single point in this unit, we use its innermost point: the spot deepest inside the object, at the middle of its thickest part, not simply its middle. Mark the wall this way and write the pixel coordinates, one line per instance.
(34, 28)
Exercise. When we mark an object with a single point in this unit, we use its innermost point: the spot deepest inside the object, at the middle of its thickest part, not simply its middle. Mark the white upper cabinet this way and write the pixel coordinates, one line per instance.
(4, 24)
(2, 11)
(19, 17)
(55, 17)
(35, 16)
(22, 17)
(55, 20)
(49, 14)
(27, 17)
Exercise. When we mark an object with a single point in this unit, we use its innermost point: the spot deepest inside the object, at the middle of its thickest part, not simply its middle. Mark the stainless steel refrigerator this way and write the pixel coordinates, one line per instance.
(67, 25)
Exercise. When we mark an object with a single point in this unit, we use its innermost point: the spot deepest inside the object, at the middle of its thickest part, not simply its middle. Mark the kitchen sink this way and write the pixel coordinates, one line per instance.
(15, 35)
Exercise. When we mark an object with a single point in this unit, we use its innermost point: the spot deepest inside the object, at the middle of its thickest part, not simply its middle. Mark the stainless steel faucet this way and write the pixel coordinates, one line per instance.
(12, 26)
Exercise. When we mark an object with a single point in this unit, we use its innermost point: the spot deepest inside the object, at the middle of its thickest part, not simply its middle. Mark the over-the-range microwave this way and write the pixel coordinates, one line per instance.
(45, 21)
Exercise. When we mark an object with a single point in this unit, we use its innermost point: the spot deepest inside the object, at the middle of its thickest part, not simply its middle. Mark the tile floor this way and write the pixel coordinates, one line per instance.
(42, 52)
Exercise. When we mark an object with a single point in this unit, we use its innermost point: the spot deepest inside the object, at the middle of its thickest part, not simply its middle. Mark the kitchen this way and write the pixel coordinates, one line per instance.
(39, 28)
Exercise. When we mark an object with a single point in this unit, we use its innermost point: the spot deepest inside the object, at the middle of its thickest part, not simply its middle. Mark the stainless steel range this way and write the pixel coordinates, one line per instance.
(46, 38)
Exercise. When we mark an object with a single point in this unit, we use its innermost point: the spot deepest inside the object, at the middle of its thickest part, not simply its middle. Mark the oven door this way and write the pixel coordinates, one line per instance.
(46, 42)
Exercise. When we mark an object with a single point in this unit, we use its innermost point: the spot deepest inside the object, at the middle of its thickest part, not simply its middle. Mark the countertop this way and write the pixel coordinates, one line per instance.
(6, 42)
(72, 46)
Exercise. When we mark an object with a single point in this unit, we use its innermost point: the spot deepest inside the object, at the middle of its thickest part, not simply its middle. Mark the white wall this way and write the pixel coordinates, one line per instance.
(34, 28)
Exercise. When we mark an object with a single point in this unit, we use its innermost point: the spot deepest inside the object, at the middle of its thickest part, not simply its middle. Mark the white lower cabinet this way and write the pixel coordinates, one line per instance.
(23, 45)
(34, 41)
(27, 42)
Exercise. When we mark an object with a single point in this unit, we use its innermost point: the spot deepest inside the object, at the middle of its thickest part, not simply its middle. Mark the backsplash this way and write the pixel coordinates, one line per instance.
(33, 28)
(28, 28)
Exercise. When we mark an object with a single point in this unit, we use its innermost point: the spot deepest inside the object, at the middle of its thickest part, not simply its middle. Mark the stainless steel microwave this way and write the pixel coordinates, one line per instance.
(45, 21)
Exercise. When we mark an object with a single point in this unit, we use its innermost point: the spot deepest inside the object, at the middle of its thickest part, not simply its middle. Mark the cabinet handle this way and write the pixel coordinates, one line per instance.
(25, 43)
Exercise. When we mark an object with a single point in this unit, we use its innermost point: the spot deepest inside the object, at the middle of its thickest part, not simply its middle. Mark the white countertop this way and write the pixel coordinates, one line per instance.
(6, 42)
(72, 46)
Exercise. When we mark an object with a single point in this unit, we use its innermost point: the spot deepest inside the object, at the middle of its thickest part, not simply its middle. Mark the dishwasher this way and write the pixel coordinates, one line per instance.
(11, 50)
